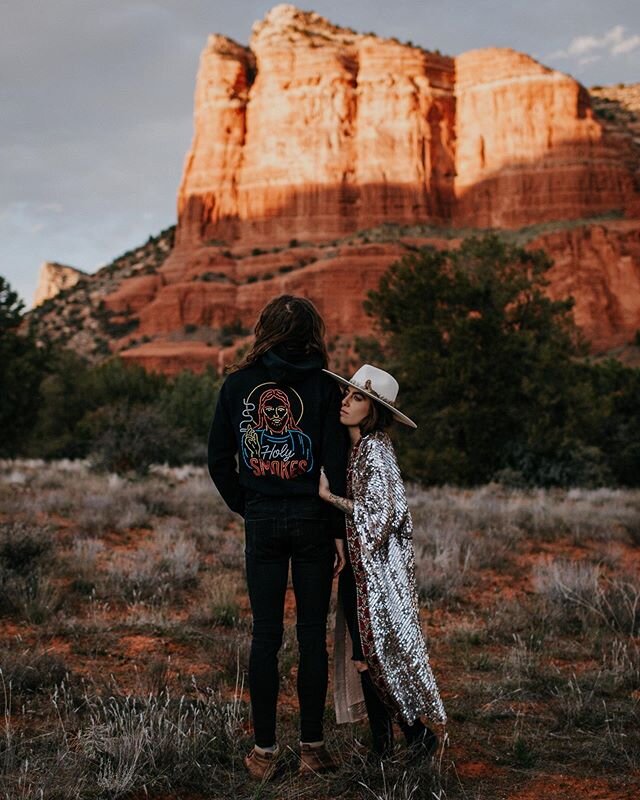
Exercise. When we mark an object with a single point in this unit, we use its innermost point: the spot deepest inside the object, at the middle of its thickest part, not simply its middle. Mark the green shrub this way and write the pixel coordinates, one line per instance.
(23, 547)
(120, 328)
(129, 438)
(187, 403)
(26, 558)
(494, 372)
(482, 354)
(23, 364)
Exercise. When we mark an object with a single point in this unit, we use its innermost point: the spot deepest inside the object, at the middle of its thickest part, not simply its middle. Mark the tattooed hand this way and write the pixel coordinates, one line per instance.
(323, 489)
(252, 442)
(346, 506)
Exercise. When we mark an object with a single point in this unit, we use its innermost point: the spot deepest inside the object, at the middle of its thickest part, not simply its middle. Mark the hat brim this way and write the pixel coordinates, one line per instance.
(403, 418)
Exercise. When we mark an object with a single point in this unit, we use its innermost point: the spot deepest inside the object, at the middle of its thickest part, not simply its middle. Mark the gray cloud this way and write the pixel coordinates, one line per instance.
(97, 96)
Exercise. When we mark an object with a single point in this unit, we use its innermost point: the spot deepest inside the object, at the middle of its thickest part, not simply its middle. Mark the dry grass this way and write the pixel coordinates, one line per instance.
(159, 566)
(125, 638)
(546, 514)
(219, 600)
(578, 590)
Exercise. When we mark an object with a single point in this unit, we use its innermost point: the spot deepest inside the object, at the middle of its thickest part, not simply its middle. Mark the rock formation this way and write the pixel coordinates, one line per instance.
(618, 110)
(53, 278)
(316, 131)
(599, 266)
(320, 156)
(528, 146)
(79, 317)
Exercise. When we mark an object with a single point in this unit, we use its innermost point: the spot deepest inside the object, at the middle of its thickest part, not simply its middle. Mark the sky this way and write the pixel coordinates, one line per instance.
(96, 99)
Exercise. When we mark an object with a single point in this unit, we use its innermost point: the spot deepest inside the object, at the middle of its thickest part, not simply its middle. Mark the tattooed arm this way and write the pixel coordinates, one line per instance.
(341, 503)
(346, 506)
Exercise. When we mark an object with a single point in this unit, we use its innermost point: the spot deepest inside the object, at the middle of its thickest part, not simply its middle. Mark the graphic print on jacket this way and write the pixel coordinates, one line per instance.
(271, 440)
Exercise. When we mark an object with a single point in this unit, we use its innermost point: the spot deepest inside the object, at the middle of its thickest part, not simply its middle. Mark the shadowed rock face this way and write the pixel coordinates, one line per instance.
(596, 263)
(318, 131)
(599, 266)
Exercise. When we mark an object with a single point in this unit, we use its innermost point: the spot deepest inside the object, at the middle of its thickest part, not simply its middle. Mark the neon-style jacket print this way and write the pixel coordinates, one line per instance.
(275, 424)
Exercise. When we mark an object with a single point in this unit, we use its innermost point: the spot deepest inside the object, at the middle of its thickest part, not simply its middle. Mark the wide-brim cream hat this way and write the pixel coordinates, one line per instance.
(379, 386)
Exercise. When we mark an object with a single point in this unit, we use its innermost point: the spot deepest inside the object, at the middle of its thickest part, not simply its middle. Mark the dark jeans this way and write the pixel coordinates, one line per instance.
(279, 530)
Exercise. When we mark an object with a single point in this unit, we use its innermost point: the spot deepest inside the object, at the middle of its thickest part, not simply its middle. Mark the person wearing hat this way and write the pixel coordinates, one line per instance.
(381, 662)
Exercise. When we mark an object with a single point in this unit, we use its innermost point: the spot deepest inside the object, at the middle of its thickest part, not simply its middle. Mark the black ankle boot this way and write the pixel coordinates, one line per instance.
(420, 739)
(379, 718)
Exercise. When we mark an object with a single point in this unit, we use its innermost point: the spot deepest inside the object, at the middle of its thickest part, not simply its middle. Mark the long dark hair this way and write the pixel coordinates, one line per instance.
(379, 418)
(288, 320)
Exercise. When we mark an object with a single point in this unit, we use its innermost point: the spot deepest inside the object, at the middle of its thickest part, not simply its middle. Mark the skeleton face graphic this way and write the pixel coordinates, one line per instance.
(274, 412)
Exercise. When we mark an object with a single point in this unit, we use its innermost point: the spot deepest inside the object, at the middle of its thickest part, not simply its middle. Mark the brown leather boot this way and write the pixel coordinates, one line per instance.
(315, 759)
(261, 766)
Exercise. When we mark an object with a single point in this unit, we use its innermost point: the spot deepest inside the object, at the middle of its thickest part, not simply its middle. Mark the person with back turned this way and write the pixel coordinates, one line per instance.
(276, 423)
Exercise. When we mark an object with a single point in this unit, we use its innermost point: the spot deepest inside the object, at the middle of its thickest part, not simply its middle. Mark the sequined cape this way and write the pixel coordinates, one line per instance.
(379, 538)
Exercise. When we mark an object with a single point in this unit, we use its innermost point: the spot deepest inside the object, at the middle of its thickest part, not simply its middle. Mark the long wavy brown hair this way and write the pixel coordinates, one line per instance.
(288, 320)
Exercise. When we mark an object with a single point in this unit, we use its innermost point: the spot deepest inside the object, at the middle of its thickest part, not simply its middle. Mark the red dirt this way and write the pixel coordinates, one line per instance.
(479, 769)
(126, 653)
(16, 630)
(563, 787)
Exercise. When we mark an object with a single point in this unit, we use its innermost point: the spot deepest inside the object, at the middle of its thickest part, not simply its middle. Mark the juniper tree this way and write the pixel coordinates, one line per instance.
(486, 362)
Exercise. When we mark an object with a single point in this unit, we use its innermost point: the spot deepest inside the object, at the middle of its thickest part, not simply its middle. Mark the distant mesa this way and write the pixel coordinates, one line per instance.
(53, 278)
(321, 155)
(317, 131)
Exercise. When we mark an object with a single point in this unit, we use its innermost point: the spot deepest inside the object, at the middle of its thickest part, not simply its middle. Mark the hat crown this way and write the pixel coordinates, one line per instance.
(376, 380)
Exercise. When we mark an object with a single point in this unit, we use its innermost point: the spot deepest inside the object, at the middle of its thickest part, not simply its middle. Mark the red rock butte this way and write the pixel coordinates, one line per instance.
(317, 131)
(314, 132)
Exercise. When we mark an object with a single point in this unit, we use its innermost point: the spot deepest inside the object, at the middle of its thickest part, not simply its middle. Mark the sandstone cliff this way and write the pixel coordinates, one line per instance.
(316, 131)
(168, 320)
(320, 156)
(599, 266)
(618, 110)
(53, 278)
(78, 316)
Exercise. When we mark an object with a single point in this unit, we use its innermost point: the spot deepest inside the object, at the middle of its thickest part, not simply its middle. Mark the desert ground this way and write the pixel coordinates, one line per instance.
(125, 628)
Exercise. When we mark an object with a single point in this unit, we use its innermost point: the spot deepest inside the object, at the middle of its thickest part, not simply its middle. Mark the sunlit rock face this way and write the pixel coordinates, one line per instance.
(529, 148)
(315, 130)
(216, 154)
(53, 278)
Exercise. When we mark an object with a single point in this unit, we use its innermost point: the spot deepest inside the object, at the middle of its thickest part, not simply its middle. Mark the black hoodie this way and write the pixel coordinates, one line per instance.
(276, 423)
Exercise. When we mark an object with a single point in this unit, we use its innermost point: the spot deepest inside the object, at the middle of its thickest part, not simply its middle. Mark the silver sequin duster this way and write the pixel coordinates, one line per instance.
(379, 537)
